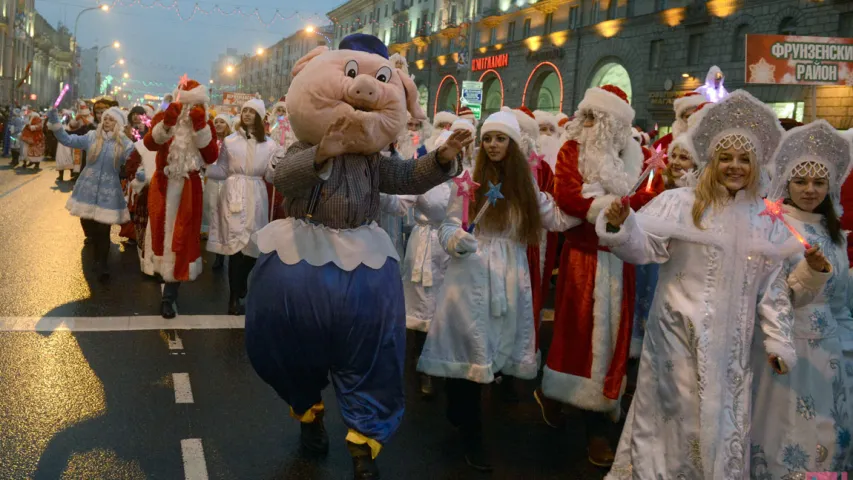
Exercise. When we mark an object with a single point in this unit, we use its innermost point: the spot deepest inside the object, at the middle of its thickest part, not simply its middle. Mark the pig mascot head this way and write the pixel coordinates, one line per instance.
(357, 81)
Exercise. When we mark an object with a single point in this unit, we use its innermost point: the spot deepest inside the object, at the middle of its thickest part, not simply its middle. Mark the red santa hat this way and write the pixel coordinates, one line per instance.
(543, 117)
(561, 117)
(444, 117)
(465, 113)
(526, 121)
(83, 110)
(191, 92)
(609, 99)
(688, 100)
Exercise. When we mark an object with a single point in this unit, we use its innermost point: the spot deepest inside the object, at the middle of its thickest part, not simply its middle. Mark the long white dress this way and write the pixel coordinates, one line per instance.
(426, 261)
(243, 208)
(483, 321)
(802, 421)
(691, 411)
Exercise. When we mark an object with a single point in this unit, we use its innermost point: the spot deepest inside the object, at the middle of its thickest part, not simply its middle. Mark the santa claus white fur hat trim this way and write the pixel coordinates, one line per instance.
(545, 117)
(192, 93)
(444, 117)
(526, 123)
(502, 122)
(464, 125)
(689, 100)
(608, 99)
(257, 105)
(561, 116)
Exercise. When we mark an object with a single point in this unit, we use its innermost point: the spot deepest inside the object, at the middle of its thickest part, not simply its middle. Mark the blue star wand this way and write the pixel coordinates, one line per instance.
(492, 197)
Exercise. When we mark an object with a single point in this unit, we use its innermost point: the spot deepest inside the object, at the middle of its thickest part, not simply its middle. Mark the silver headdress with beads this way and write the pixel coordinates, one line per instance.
(813, 150)
(740, 120)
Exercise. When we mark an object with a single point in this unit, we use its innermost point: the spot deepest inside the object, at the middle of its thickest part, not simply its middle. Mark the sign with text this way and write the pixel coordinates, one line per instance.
(665, 98)
(234, 98)
(486, 63)
(472, 96)
(789, 59)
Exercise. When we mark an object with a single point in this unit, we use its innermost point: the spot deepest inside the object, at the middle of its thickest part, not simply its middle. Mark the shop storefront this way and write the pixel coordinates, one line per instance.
(544, 89)
(493, 92)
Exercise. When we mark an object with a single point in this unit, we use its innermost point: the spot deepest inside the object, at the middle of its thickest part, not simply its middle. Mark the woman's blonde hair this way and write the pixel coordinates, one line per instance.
(520, 207)
(711, 193)
(118, 146)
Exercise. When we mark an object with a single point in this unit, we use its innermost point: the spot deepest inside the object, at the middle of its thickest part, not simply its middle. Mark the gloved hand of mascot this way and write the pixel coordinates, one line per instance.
(140, 175)
(462, 244)
(199, 118)
(53, 116)
(172, 114)
(339, 139)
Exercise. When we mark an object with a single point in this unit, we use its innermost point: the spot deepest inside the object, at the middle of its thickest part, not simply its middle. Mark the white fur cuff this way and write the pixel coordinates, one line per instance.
(810, 280)
(54, 126)
(203, 137)
(616, 239)
(598, 204)
(782, 350)
(160, 135)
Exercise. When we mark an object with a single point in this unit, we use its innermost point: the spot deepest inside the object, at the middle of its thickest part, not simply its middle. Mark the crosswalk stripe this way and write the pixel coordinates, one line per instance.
(193, 455)
(121, 323)
(183, 389)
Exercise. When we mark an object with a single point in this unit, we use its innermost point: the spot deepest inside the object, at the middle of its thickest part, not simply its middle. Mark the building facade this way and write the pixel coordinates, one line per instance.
(545, 54)
(16, 50)
(51, 63)
(268, 73)
(87, 77)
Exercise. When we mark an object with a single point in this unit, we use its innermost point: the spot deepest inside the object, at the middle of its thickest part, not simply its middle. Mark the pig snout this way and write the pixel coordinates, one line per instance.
(364, 92)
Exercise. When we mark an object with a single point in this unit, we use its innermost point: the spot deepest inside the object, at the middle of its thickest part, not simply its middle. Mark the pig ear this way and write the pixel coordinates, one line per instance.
(300, 64)
(411, 96)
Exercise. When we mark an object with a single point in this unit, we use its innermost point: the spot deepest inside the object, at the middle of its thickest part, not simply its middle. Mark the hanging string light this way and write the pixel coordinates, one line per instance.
(197, 8)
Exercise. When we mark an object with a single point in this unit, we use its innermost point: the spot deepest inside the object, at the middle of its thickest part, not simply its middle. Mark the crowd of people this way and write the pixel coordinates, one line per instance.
(711, 262)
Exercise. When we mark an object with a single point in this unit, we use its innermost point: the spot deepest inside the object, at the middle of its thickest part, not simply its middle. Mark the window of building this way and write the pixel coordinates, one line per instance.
(788, 26)
(574, 17)
(694, 47)
(739, 47)
(612, 9)
(510, 32)
(793, 110)
(630, 9)
(661, 5)
(549, 22)
(845, 25)
(493, 36)
(453, 15)
(386, 11)
(596, 11)
(525, 29)
(655, 54)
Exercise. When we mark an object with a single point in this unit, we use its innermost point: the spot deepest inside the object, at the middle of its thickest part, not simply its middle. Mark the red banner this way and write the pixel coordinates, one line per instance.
(789, 59)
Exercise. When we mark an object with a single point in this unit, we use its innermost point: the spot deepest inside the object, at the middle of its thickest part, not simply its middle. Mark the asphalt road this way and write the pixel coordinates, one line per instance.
(94, 386)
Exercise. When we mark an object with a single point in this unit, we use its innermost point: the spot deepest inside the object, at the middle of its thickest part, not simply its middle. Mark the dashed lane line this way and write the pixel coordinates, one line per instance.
(120, 323)
(192, 452)
(183, 389)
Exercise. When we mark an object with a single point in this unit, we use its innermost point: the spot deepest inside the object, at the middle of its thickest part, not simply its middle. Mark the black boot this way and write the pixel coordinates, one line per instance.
(234, 307)
(475, 455)
(61, 176)
(313, 437)
(427, 390)
(363, 465)
(25, 164)
(167, 310)
(38, 167)
(219, 262)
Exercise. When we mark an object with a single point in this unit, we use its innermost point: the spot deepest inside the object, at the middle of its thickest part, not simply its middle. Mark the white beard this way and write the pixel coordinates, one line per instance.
(549, 145)
(406, 145)
(678, 128)
(183, 157)
(599, 162)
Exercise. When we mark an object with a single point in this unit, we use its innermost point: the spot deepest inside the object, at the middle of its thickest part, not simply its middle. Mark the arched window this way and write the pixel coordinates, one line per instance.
(739, 47)
(788, 26)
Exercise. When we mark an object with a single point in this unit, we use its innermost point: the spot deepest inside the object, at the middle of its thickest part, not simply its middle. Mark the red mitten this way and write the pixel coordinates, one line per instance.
(172, 114)
(199, 118)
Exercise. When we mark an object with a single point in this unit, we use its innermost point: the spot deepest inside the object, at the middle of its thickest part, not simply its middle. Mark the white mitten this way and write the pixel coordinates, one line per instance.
(462, 244)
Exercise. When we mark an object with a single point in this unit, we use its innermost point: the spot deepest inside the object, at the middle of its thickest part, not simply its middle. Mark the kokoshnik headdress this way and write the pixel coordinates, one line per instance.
(741, 121)
(813, 150)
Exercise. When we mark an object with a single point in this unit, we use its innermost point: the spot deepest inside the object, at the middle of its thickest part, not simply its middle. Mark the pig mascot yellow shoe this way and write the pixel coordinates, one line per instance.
(326, 297)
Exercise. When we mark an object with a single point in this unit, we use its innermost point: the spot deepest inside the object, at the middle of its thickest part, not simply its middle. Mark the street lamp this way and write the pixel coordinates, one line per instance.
(126, 75)
(103, 8)
(211, 82)
(116, 45)
(312, 30)
(259, 51)
(121, 61)
(229, 69)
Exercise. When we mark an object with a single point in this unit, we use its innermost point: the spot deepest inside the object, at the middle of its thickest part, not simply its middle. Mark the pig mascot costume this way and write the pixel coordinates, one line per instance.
(326, 297)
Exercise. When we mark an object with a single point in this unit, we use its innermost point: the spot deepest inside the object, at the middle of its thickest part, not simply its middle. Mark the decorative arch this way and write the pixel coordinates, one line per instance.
(788, 12)
(486, 90)
(611, 71)
(438, 94)
(622, 51)
(533, 74)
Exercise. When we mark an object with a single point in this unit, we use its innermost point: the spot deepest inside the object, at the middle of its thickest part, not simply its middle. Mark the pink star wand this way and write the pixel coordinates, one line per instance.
(465, 188)
(775, 211)
(535, 163)
(656, 161)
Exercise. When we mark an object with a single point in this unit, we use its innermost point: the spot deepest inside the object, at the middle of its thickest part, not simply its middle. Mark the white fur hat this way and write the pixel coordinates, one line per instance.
(609, 99)
(545, 117)
(224, 117)
(442, 139)
(526, 123)
(503, 122)
(444, 117)
(689, 100)
(118, 115)
(257, 105)
(685, 144)
(463, 125)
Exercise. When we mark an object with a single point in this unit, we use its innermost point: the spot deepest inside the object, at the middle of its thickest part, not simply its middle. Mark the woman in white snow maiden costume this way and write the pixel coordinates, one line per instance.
(723, 276)
(326, 297)
(802, 421)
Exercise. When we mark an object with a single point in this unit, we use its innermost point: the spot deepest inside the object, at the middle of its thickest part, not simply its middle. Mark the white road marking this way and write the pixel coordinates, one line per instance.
(193, 454)
(176, 344)
(108, 324)
(183, 390)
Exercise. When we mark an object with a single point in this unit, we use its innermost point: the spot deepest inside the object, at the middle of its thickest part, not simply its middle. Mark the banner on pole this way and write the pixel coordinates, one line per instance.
(235, 98)
(788, 59)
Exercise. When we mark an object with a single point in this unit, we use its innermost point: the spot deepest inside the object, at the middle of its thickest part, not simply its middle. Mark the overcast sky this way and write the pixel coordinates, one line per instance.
(158, 46)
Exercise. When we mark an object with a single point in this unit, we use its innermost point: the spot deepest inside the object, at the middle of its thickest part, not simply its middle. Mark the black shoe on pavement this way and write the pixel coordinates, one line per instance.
(38, 167)
(363, 465)
(313, 437)
(427, 390)
(219, 262)
(167, 310)
(234, 307)
(475, 454)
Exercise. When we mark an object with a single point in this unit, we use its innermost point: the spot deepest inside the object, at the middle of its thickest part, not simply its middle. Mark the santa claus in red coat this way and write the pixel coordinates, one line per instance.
(586, 365)
(684, 106)
(184, 140)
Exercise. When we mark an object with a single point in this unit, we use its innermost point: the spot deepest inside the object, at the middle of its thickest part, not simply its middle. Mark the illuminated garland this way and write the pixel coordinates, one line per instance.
(313, 18)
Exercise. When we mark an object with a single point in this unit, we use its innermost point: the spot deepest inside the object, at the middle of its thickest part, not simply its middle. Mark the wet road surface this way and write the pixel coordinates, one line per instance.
(85, 395)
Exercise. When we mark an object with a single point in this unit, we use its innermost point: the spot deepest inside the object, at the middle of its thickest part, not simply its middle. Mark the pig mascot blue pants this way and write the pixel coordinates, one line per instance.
(305, 324)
